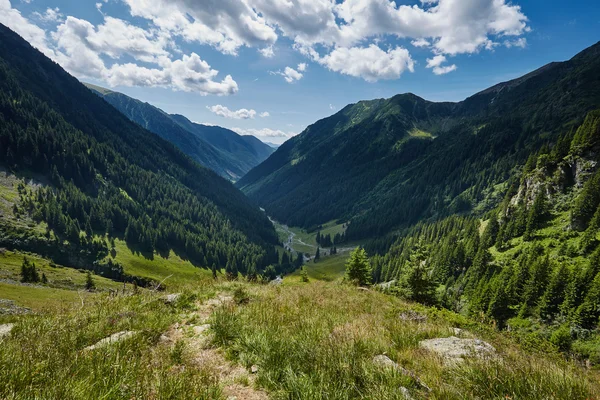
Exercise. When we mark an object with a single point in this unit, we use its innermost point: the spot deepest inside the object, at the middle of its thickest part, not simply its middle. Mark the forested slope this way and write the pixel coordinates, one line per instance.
(222, 150)
(388, 164)
(108, 177)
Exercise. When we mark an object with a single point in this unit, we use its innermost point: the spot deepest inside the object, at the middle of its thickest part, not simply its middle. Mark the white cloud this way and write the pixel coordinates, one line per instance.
(225, 112)
(51, 15)
(264, 132)
(264, 114)
(35, 35)
(82, 46)
(290, 74)
(224, 24)
(436, 62)
(267, 52)
(520, 42)
(332, 107)
(370, 63)
(421, 43)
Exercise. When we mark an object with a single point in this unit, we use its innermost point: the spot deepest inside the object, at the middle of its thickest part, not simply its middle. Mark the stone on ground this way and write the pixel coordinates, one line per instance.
(114, 338)
(455, 349)
(171, 298)
(5, 329)
(384, 361)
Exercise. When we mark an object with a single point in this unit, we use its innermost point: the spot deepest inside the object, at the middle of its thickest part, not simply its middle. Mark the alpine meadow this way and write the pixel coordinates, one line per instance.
(189, 211)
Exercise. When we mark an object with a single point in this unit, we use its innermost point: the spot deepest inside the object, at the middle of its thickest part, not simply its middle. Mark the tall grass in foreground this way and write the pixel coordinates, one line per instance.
(317, 341)
(43, 357)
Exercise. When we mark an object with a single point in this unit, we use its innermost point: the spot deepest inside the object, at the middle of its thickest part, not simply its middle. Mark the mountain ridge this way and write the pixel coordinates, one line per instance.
(374, 153)
(220, 149)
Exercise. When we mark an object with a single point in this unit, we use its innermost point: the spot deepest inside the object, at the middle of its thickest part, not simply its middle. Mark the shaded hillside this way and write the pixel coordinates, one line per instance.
(385, 164)
(219, 149)
(108, 176)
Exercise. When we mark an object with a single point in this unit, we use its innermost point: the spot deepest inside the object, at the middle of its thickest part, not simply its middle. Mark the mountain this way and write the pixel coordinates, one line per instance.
(222, 150)
(104, 177)
(273, 145)
(389, 163)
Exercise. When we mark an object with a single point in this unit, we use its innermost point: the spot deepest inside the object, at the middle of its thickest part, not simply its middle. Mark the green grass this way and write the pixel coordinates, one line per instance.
(318, 340)
(309, 341)
(43, 357)
(41, 298)
(175, 270)
(327, 269)
(58, 277)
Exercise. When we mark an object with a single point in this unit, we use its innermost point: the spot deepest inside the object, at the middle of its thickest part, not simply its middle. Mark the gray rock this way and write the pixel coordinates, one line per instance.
(8, 307)
(114, 338)
(412, 316)
(254, 369)
(384, 361)
(5, 329)
(455, 349)
(171, 298)
(406, 393)
(201, 329)
(276, 282)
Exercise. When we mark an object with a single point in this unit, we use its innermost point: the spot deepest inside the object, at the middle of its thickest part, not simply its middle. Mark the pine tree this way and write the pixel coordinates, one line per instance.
(535, 215)
(89, 282)
(555, 293)
(358, 268)
(304, 274)
(44, 279)
(416, 282)
(589, 311)
(317, 254)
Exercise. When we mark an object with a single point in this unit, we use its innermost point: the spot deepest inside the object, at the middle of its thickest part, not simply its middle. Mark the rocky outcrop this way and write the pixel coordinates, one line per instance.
(454, 349)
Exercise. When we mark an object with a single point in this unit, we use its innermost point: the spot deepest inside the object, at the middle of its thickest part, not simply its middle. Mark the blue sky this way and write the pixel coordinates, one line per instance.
(272, 67)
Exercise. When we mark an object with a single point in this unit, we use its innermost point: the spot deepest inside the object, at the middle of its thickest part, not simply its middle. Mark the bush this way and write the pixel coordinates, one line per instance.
(562, 338)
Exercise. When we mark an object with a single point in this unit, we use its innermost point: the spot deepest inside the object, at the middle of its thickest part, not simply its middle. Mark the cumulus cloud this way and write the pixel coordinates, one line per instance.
(370, 63)
(50, 15)
(318, 27)
(264, 114)
(436, 62)
(421, 43)
(267, 52)
(225, 24)
(225, 112)
(290, 74)
(520, 42)
(342, 35)
(264, 132)
(35, 35)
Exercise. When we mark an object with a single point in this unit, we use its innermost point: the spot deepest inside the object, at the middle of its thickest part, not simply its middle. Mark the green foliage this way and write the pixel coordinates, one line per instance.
(358, 267)
(562, 338)
(89, 282)
(416, 282)
(364, 165)
(109, 176)
(222, 150)
(29, 272)
(304, 275)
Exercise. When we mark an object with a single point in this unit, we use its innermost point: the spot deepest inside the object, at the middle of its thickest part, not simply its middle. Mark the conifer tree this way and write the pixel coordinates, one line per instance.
(317, 254)
(304, 274)
(89, 282)
(358, 268)
(416, 283)
(555, 293)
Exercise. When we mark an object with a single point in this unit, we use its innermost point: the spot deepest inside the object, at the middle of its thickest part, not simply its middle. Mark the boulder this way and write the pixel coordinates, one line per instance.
(5, 329)
(455, 349)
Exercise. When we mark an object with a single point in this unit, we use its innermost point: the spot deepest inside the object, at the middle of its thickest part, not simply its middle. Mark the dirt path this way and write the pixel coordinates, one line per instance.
(194, 331)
